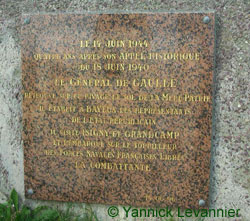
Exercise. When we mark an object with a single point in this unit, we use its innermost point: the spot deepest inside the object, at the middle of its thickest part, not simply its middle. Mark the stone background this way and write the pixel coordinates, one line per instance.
(230, 172)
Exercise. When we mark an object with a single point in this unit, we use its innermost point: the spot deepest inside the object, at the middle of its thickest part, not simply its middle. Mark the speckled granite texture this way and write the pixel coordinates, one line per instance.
(182, 181)
(229, 183)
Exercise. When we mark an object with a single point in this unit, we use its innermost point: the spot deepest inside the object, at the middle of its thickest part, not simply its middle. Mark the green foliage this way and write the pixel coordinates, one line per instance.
(11, 211)
(89, 214)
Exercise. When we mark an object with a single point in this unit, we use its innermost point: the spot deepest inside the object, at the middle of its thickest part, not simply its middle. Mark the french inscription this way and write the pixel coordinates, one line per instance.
(117, 108)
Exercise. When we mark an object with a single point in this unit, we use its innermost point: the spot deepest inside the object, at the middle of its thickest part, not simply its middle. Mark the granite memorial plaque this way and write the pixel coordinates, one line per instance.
(117, 108)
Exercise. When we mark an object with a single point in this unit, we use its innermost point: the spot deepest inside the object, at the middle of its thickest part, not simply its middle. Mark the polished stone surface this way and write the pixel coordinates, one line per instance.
(171, 105)
(230, 153)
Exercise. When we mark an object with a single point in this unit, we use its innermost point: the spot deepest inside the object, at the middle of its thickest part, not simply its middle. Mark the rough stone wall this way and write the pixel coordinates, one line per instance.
(230, 168)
